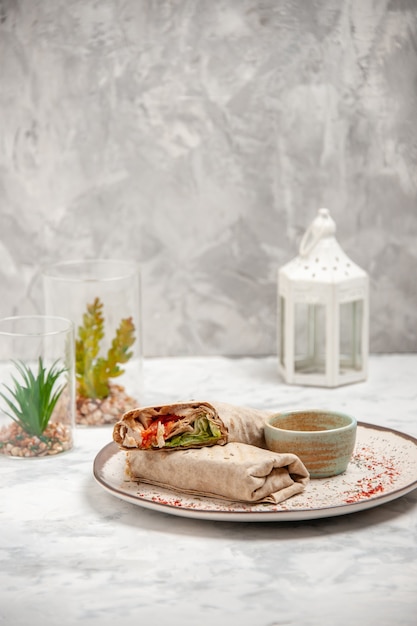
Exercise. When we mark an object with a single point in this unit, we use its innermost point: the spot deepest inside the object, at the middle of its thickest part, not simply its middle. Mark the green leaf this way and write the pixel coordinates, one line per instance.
(204, 431)
(32, 399)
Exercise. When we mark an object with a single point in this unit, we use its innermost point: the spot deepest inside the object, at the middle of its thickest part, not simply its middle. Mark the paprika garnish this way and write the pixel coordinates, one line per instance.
(372, 485)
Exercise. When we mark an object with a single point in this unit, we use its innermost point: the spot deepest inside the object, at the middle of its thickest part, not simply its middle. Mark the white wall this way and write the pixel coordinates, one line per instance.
(200, 137)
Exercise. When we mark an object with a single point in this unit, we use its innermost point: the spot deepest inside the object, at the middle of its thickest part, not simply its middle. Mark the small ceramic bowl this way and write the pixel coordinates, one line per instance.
(323, 440)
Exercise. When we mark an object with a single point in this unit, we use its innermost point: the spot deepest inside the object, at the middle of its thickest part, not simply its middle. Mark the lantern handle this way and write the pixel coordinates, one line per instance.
(322, 226)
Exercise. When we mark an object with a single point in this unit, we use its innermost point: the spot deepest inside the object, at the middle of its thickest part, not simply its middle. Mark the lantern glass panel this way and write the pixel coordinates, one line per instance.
(351, 349)
(310, 338)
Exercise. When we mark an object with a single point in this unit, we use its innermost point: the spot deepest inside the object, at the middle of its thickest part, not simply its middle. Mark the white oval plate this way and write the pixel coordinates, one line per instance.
(383, 468)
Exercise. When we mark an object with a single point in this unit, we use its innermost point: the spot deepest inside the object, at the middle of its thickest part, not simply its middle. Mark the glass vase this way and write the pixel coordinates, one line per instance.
(102, 298)
(37, 386)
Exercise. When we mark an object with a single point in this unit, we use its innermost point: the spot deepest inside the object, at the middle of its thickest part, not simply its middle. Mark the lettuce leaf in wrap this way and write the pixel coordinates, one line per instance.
(205, 432)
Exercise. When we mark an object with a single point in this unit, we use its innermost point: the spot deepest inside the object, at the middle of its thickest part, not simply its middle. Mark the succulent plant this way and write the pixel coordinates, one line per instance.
(32, 399)
(93, 372)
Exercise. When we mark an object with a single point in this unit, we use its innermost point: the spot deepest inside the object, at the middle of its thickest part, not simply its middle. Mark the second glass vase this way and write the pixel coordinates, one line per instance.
(102, 298)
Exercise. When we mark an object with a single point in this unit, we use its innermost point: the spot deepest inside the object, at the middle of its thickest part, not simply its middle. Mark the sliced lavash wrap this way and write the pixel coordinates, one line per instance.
(234, 471)
(196, 425)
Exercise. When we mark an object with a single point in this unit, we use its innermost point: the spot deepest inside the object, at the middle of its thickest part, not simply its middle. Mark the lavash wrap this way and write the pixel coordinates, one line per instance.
(236, 423)
(234, 471)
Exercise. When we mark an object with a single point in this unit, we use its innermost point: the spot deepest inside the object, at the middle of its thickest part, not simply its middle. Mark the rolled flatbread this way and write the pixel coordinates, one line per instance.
(235, 471)
(190, 425)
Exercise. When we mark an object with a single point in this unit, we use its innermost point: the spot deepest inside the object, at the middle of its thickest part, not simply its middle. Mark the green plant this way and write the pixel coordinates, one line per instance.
(33, 399)
(93, 371)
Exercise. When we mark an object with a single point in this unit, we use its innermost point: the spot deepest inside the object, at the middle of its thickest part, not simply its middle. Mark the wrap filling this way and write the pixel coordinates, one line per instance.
(174, 426)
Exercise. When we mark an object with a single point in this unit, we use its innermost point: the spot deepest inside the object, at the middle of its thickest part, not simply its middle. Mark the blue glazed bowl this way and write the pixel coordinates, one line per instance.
(323, 440)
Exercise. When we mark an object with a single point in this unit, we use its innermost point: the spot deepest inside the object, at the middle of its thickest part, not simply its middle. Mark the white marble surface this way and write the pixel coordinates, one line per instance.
(71, 553)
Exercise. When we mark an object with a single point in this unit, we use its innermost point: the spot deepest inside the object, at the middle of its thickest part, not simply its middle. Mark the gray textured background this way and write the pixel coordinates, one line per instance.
(200, 137)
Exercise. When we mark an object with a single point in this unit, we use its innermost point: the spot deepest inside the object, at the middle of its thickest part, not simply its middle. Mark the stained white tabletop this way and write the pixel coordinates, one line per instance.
(72, 553)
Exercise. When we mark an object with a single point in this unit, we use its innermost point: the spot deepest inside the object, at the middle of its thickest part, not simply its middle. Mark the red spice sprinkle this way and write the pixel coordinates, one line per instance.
(160, 500)
(377, 481)
(365, 493)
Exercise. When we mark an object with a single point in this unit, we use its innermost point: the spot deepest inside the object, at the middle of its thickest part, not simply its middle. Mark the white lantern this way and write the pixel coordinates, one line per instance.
(323, 311)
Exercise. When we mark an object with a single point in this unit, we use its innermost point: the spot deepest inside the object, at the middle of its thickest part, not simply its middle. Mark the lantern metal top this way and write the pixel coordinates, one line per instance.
(321, 259)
